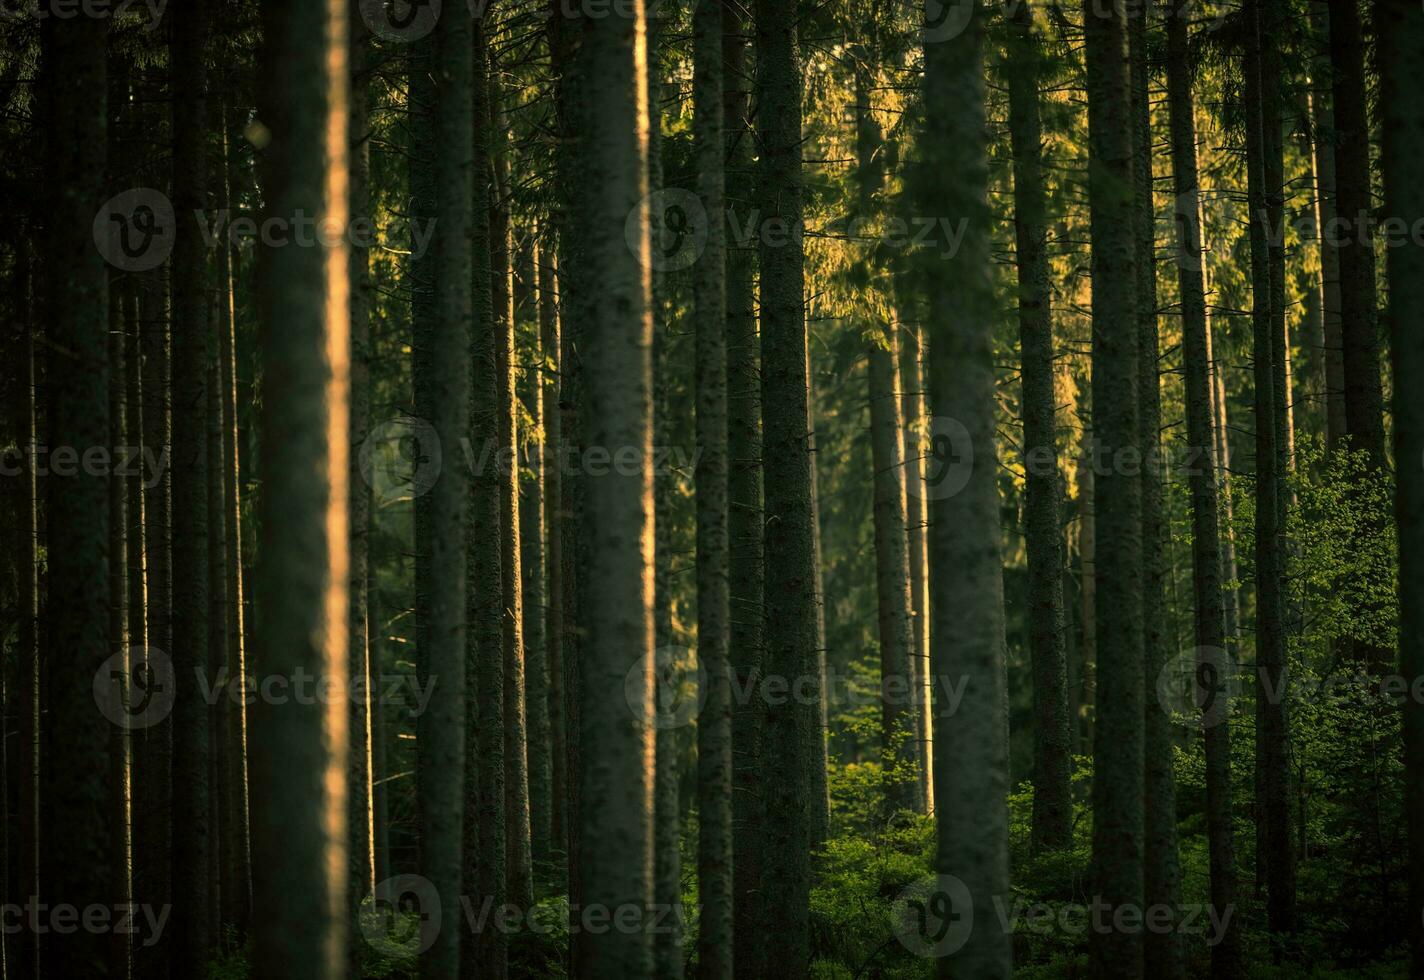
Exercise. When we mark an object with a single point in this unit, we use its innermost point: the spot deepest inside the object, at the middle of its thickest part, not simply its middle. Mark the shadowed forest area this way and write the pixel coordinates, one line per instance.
(629, 489)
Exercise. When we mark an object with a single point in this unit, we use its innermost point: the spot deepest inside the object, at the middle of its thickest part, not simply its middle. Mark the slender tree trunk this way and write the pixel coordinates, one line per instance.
(790, 587)
(443, 186)
(1399, 26)
(1118, 777)
(714, 725)
(516, 757)
(1162, 885)
(966, 584)
(615, 695)
(81, 859)
(1273, 823)
(532, 567)
(154, 831)
(1229, 568)
(892, 576)
(485, 865)
(27, 655)
(1325, 208)
(1364, 411)
(219, 886)
(547, 266)
(744, 509)
(237, 863)
(119, 637)
(667, 796)
(193, 931)
(818, 747)
(1052, 736)
(1208, 588)
(359, 866)
(299, 751)
(912, 400)
(1088, 587)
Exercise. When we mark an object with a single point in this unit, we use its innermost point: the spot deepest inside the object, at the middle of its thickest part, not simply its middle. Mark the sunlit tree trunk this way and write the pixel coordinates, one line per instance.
(119, 637)
(299, 751)
(516, 758)
(1322, 127)
(966, 585)
(1052, 735)
(615, 694)
(1118, 775)
(912, 400)
(1399, 25)
(892, 571)
(1208, 587)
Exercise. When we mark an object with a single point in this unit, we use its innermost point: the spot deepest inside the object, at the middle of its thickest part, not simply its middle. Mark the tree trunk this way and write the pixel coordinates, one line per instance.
(1088, 582)
(361, 879)
(1323, 142)
(532, 568)
(714, 724)
(615, 695)
(1162, 876)
(1211, 661)
(27, 653)
(547, 266)
(237, 868)
(966, 581)
(912, 387)
(1052, 826)
(744, 510)
(1364, 411)
(1118, 776)
(119, 638)
(193, 931)
(892, 577)
(81, 855)
(790, 587)
(1273, 823)
(1399, 27)
(299, 751)
(516, 755)
(442, 182)
(485, 869)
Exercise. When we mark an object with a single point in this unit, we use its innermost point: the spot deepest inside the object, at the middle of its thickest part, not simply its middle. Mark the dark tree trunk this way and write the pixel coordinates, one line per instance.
(966, 584)
(1118, 777)
(615, 686)
(193, 931)
(1399, 25)
(78, 817)
(299, 750)
(1052, 736)
(714, 725)
(744, 509)
(1208, 587)
(1364, 409)
(790, 588)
